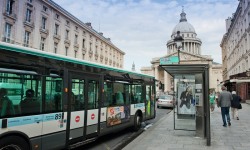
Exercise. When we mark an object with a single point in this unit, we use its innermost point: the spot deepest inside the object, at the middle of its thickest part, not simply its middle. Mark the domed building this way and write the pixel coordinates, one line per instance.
(191, 43)
(190, 53)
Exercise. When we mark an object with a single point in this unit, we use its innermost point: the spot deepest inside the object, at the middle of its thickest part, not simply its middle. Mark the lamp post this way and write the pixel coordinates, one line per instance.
(178, 41)
(217, 85)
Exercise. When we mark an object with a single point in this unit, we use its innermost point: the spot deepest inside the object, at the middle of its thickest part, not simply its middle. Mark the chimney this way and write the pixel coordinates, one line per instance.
(101, 33)
(88, 24)
(108, 39)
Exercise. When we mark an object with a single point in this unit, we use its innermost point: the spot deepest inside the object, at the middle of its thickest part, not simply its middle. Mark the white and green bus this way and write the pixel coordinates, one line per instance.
(58, 102)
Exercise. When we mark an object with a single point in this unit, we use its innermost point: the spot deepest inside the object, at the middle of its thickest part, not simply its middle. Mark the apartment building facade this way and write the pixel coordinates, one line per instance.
(235, 47)
(46, 26)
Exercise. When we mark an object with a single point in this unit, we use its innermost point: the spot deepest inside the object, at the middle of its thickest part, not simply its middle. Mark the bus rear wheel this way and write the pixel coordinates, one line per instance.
(137, 122)
(13, 143)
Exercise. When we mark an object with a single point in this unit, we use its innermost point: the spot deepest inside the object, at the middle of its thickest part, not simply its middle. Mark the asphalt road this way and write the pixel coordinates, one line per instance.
(117, 141)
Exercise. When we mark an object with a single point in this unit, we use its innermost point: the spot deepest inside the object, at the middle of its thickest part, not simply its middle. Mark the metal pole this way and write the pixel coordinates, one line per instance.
(178, 55)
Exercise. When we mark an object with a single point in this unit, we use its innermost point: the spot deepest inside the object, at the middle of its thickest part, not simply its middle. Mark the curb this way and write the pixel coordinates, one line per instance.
(127, 140)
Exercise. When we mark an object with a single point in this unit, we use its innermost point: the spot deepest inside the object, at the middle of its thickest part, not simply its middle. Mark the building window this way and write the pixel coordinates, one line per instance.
(42, 44)
(67, 34)
(67, 22)
(76, 38)
(7, 32)
(55, 47)
(57, 16)
(56, 29)
(26, 39)
(28, 15)
(83, 43)
(66, 51)
(76, 28)
(44, 23)
(9, 7)
(45, 8)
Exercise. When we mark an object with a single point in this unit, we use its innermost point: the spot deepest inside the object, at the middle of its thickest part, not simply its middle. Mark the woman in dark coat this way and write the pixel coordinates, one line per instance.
(235, 105)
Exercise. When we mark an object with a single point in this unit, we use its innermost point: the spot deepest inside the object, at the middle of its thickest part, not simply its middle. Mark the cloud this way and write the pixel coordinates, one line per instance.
(141, 28)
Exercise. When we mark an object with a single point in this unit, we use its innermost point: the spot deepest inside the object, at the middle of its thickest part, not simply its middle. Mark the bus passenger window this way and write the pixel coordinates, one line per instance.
(58, 102)
(30, 104)
(53, 95)
(6, 106)
(119, 98)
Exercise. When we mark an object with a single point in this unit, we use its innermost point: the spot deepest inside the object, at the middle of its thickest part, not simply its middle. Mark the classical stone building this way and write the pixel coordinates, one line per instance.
(235, 47)
(190, 53)
(44, 25)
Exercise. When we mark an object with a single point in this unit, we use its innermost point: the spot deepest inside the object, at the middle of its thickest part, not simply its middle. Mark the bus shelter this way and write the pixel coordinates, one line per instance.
(191, 92)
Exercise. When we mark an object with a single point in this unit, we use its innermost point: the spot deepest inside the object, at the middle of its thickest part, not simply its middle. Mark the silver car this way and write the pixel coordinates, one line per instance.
(165, 101)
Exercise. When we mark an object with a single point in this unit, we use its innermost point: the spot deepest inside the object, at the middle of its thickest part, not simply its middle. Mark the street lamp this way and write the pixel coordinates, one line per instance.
(178, 41)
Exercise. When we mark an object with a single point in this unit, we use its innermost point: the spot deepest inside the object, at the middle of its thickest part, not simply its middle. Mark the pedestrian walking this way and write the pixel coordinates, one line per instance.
(235, 103)
(224, 100)
(212, 100)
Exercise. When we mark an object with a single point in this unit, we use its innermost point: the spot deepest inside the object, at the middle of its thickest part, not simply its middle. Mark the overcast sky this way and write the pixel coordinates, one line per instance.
(141, 28)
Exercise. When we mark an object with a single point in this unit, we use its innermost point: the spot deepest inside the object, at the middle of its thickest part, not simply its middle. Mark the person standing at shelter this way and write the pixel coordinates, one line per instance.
(235, 105)
(224, 100)
(212, 100)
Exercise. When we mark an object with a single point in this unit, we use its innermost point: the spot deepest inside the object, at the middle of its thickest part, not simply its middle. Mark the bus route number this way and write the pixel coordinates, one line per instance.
(58, 116)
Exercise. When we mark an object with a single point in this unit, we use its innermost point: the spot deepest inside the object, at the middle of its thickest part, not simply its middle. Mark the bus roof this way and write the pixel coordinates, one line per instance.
(36, 52)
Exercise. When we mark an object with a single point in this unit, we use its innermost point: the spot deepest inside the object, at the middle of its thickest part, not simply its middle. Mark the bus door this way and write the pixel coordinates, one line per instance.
(84, 96)
(92, 105)
(77, 107)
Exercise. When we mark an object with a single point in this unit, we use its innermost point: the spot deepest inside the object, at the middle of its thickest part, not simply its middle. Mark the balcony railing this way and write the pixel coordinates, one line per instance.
(30, 24)
(8, 40)
(56, 36)
(46, 31)
(12, 15)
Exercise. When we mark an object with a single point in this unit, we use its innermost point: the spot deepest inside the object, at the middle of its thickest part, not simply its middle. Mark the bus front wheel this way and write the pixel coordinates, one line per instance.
(137, 122)
(13, 143)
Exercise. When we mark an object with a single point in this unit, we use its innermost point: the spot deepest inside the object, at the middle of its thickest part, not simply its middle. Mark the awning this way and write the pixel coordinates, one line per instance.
(240, 80)
(174, 69)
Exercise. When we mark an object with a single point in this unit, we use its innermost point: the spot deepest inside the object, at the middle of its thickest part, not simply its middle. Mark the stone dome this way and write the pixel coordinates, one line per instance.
(183, 26)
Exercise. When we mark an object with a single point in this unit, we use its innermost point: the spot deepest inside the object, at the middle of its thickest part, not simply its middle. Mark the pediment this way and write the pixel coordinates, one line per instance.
(187, 57)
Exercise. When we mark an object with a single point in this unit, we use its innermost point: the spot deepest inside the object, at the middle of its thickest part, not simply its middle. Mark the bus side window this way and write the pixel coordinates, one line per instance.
(57, 102)
(119, 98)
(30, 104)
(6, 105)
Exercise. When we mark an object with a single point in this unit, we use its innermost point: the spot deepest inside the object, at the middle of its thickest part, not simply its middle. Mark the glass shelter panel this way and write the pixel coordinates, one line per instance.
(185, 109)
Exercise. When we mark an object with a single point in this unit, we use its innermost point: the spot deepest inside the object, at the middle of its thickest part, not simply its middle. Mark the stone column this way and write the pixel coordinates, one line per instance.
(167, 84)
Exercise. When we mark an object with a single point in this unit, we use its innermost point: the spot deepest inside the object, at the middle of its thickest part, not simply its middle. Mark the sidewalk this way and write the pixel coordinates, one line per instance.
(162, 136)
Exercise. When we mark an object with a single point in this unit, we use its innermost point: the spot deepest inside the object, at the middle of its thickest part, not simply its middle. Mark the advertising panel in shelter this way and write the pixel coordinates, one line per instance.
(186, 101)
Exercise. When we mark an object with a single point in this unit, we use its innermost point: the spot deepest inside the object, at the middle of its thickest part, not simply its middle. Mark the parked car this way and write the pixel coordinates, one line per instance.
(165, 101)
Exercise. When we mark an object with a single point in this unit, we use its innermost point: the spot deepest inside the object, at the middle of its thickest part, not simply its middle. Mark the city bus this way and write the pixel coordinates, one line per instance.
(50, 101)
